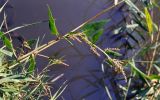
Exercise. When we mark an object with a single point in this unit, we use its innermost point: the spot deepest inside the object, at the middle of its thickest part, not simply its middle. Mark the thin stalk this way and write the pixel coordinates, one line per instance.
(128, 86)
(52, 42)
(96, 16)
(154, 53)
(25, 25)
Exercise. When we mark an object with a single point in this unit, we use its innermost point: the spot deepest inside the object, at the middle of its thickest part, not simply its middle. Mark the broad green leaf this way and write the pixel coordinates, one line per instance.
(6, 41)
(148, 21)
(94, 30)
(97, 35)
(32, 64)
(52, 24)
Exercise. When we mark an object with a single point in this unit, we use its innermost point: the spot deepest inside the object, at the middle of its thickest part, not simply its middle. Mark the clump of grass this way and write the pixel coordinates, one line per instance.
(18, 76)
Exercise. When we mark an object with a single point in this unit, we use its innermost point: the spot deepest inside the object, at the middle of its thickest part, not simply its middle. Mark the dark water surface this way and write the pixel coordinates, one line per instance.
(68, 14)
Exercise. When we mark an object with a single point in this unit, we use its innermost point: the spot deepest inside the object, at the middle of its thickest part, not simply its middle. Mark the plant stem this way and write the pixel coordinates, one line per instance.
(52, 42)
(96, 16)
(154, 53)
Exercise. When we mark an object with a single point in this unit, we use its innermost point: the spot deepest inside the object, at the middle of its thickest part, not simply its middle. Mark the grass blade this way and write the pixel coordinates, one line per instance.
(52, 24)
(149, 21)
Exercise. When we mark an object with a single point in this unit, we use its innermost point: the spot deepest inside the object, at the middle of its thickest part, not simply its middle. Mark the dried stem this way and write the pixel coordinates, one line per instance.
(52, 42)
(154, 53)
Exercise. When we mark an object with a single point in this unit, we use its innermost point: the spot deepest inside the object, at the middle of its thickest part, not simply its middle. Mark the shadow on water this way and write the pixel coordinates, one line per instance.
(84, 65)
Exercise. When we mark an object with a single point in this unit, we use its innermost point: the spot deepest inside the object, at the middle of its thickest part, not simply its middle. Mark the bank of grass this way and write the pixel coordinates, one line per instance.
(19, 79)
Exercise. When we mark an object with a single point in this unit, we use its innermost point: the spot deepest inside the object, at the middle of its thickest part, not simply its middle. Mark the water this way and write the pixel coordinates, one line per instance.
(84, 65)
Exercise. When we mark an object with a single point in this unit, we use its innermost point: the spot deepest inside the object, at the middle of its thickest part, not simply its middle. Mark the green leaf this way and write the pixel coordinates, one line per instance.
(143, 75)
(52, 24)
(31, 42)
(32, 64)
(6, 41)
(139, 73)
(113, 53)
(132, 64)
(151, 77)
(94, 30)
(97, 35)
(148, 21)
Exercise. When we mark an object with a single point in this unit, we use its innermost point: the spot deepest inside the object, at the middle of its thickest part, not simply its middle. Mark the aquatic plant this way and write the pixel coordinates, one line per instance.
(138, 65)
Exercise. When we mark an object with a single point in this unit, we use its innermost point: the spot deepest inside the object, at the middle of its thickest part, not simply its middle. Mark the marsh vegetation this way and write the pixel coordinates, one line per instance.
(133, 67)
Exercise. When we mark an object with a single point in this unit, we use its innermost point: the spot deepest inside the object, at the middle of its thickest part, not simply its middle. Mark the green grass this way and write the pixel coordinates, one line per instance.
(20, 80)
